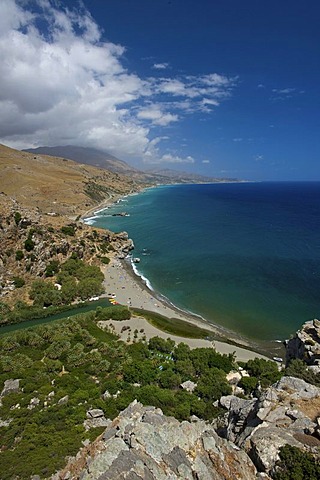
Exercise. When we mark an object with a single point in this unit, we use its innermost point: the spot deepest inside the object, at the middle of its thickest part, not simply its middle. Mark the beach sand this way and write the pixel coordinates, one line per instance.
(130, 290)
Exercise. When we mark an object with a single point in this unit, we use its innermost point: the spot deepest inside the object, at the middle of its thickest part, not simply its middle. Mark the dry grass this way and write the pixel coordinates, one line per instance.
(55, 184)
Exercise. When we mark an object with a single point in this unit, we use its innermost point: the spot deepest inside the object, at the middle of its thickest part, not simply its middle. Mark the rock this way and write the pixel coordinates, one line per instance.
(106, 395)
(34, 402)
(10, 386)
(95, 413)
(63, 400)
(95, 418)
(188, 386)
(305, 344)
(143, 444)
(284, 414)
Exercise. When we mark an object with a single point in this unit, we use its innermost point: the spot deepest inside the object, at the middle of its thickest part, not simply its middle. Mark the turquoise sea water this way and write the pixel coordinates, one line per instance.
(245, 256)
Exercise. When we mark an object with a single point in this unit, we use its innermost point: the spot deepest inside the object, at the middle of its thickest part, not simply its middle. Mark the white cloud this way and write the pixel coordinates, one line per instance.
(283, 90)
(205, 161)
(160, 66)
(155, 114)
(169, 158)
(62, 83)
(238, 139)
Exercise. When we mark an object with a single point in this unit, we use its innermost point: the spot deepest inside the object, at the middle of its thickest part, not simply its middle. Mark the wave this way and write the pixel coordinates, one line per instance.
(143, 278)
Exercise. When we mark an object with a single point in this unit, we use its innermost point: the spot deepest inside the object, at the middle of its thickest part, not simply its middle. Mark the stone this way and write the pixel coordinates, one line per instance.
(143, 444)
(64, 400)
(95, 413)
(305, 344)
(188, 386)
(10, 386)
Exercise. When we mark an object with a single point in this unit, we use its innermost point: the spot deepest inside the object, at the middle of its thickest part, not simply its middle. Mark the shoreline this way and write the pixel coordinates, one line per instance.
(131, 289)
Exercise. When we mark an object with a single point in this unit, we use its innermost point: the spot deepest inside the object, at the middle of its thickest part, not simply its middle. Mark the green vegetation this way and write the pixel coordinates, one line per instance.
(17, 217)
(29, 244)
(76, 361)
(52, 268)
(18, 282)
(117, 312)
(297, 368)
(19, 255)
(96, 192)
(174, 326)
(261, 371)
(69, 229)
(296, 465)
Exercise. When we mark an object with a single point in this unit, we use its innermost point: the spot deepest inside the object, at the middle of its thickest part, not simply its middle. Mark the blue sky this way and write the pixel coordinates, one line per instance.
(223, 88)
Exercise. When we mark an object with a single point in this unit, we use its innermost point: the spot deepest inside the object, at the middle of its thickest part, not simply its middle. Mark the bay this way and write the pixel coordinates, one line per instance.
(245, 256)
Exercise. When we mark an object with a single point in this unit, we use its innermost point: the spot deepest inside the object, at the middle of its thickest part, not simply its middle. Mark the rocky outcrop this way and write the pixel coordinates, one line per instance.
(306, 344)
(286, 413)
(142, 443)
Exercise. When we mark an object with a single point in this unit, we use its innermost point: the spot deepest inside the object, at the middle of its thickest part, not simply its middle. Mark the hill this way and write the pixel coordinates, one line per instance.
(98, 158)
(88, 156)
(57, 185)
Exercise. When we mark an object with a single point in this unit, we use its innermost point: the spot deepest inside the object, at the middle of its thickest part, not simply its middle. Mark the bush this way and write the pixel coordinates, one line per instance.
(68, 230)
(29, 244)
(18, 282)
(296, 465)
(249, 384)
(17, 217)
(52, 268)
(19, 255)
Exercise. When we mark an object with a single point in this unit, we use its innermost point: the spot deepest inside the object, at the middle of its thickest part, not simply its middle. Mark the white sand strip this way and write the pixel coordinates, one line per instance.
(128, 290)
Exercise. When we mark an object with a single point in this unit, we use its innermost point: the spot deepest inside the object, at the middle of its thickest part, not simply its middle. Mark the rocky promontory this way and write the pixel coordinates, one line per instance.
(144, 444)
(305, 345)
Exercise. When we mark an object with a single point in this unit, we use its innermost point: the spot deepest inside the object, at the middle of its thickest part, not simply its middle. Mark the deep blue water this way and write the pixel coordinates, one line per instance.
(245, 256)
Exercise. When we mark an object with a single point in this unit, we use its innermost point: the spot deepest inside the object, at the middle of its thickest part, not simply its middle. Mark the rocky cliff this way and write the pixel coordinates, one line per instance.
(305, 345)
(286, 413)
(142, 443)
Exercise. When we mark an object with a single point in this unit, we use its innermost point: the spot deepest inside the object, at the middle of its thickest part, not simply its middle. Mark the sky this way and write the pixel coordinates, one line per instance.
(222, 88)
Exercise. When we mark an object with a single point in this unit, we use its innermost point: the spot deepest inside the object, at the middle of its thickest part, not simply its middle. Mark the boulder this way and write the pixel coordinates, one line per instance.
(142, 443)
(10, 386)
(305, 344)
(286, 413)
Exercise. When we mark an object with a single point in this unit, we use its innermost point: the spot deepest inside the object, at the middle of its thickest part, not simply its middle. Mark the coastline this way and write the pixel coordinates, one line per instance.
(128, 289)
(132, 290)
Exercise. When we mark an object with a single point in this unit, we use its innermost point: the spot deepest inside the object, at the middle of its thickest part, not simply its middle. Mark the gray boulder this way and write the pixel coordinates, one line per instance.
(143, 444)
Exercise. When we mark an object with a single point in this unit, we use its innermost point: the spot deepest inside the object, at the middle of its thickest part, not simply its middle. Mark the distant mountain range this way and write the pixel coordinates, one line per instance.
(98, 158)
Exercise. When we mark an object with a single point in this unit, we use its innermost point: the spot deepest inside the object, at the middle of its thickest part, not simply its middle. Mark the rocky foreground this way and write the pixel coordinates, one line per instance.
(143, 444)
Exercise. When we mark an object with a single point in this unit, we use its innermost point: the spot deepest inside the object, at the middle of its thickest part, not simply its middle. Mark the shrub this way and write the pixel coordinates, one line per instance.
(19, 255)
(18, 282)
(68, 230)
(29, 244)
(17, 217)
(52, 268)
(296, 465)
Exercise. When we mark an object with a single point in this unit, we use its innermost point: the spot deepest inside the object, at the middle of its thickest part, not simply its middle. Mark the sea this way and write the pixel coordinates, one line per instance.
(244, 256)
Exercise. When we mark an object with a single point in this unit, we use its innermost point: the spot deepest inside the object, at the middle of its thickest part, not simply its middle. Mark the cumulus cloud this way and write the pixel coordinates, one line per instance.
(61, 82)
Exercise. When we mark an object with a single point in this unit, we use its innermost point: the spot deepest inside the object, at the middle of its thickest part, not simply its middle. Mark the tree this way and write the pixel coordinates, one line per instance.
(265, 370)
(161, 345)
(44, 294)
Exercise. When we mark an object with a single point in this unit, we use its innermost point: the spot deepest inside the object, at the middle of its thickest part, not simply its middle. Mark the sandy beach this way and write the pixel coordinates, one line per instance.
(128, 289)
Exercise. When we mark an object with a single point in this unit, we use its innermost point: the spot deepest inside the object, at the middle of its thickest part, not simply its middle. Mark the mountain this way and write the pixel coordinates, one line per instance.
(98, 158)
(57, 184)
(185, 177)
(89, 156)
